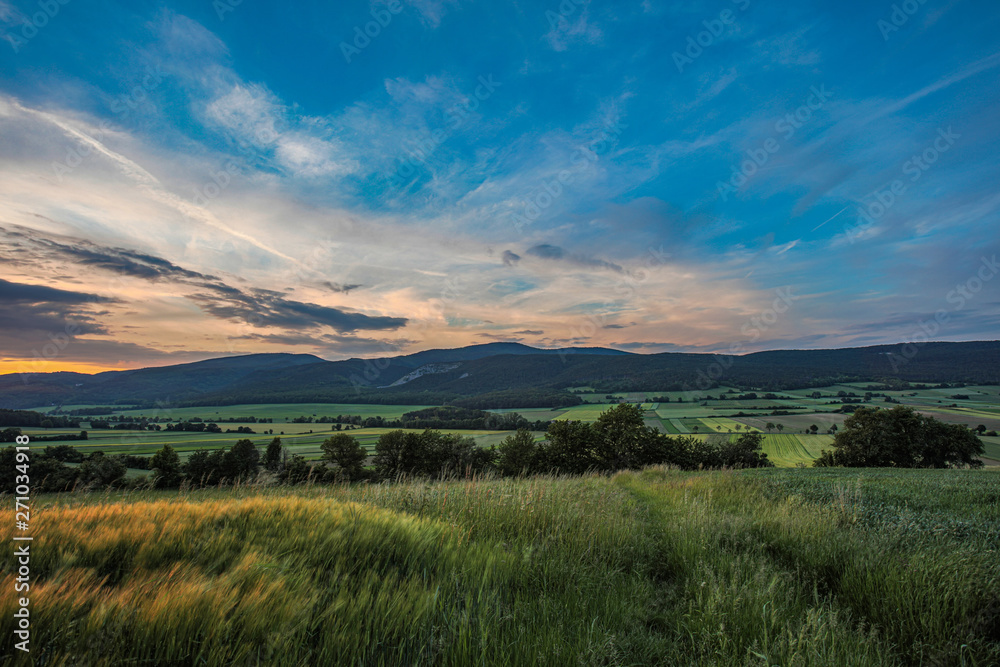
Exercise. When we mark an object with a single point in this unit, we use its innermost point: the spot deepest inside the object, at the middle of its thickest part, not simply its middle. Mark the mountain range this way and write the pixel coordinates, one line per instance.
(498, 373)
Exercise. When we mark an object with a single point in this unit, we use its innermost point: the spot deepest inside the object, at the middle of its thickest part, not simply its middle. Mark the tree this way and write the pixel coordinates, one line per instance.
(620, 434)
(780, 427)
(569, 447)
(981, 429)
(272, 455)
(398, 453)
(457, 454)
(769, 426)
(101, 471)
(745, 452)
(347, 454)
(296, 470)
(204, 468)
(814, 429)
(518, 454)
(901, 438)
(166, 467)
(241, 461)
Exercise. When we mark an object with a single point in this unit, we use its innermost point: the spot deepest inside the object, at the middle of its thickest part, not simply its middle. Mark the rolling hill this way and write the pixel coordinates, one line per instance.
(436, 376)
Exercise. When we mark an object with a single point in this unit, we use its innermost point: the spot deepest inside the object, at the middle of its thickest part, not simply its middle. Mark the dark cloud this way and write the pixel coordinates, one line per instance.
(555, 253)
(21, 294)
(117, 260)
(510, 258)
(340, 289)
(30, 314)
(499, 338)
(264, 308)
(259, 307)
(529, 332)
(546, 251)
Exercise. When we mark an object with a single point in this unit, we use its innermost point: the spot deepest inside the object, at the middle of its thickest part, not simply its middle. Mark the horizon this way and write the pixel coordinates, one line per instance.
(431, 349)
(717, 178)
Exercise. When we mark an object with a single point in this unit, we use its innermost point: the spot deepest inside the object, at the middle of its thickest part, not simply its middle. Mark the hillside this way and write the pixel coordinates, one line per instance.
(436, 376)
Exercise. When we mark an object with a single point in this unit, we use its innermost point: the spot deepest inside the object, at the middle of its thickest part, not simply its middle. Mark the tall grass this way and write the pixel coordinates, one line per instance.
(657, 567)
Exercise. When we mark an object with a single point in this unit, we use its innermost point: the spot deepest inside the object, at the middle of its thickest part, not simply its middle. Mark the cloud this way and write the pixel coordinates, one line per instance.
(498, 338)
(25, 294)
(529, 332)
(566, 28)
(258, 307)
(510, 258)
(339, 288)
(263, 308)
(551, 252)
(37, 317)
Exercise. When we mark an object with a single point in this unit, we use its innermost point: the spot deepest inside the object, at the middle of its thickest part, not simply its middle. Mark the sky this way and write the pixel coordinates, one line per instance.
(187, 180)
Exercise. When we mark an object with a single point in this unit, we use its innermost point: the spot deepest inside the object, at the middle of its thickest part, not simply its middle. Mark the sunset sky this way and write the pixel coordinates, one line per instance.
(188, 180)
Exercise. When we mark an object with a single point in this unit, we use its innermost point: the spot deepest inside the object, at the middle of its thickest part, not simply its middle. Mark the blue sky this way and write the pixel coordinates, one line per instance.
(194, 179)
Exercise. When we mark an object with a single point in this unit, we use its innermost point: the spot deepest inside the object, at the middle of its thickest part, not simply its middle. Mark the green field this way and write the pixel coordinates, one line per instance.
(790, 450)
(672, 417)
(768, 567)
(147, 443)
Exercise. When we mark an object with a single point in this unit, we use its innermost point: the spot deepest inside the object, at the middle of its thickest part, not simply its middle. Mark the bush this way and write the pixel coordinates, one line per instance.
(901, 438)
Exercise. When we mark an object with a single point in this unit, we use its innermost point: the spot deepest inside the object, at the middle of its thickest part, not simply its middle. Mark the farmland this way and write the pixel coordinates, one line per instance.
(695, 415)
(799, 566)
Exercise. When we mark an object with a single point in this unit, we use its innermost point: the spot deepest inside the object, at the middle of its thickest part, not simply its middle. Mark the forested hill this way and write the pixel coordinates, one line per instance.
(510, 374)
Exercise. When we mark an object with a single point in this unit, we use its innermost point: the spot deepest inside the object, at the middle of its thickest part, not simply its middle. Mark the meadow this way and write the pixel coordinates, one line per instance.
(789, 567)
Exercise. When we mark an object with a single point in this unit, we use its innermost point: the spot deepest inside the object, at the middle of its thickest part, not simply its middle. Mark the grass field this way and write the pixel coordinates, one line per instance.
(790, 450)
(795, 567)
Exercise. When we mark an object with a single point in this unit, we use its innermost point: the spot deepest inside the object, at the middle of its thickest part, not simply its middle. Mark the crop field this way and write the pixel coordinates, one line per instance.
(790, 450)
(992, 446)
(800, 567)
(675, 418)
(715, 423)
(582, 412)
(795, 422)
